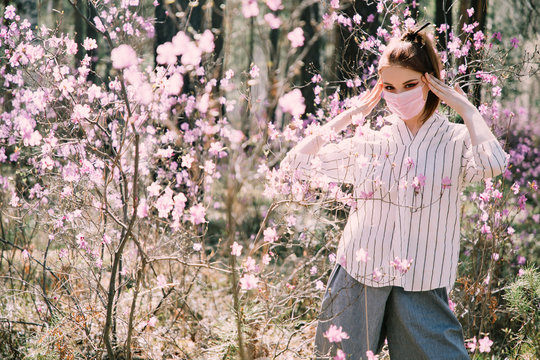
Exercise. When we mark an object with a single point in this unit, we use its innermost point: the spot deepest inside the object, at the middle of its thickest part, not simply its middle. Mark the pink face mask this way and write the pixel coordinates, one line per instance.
(406, 104)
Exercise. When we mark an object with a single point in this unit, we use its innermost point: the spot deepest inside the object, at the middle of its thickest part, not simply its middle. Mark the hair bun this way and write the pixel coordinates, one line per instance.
(414, 36)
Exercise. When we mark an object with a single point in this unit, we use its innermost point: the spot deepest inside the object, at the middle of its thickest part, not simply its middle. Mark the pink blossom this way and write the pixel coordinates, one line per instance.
(166, 54)
(249, 281)
(409, 161)
(521, 260)
(187, 160)
(371, 356)
(293, 103)
(470, 12)
(377, 275)
(250, 8)
(164, 203)
(152, 321)
(451, 305)
(80, 112)
(266, 259)
(81, 242)
(472, 344)
(335, 334)
(180, 42)
(495, 256)
(418, 182)
(106, 240)
(173, 84)
(334, 4)
(192, 55)
(123, 57)
(89, 44)
(514, 41)
(62, 253)
(484, 344)
(446, 182)
(9, 12)
(401, 265)
(161, 281)
(142, 209)
(274, 5)
(496, 91)
(71, 46)
(270, 235)
(521, 272)
(250, 265)
(236, 249)
(340, 355)
(99, 24)
(296, 37)
(469, 28)
(443, 28)
(154, 189)
(197, 213)
(197, 246)
(362, 255)
(206, 41)
(272, 20)
(485, 229)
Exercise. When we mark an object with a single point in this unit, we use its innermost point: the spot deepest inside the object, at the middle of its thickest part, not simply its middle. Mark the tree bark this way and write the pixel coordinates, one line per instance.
(349, 60)
(443, 15)
(310, 17)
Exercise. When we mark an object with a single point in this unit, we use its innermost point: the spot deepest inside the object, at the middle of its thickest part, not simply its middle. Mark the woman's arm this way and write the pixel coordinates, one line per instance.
(482, 157)
(312, 144)
(477, 126)
(312, 159)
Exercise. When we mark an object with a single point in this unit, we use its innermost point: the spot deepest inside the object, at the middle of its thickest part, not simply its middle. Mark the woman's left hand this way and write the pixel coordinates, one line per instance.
(454, 97)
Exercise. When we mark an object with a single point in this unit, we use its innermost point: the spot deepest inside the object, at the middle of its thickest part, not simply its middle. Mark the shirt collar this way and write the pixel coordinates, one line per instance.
(402, 132)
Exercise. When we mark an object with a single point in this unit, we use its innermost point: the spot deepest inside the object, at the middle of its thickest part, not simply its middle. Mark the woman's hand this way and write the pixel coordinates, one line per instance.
(453, 97)
(365, 103)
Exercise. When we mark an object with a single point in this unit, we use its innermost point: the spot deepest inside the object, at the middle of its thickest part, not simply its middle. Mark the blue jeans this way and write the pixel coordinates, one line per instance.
(417, 324)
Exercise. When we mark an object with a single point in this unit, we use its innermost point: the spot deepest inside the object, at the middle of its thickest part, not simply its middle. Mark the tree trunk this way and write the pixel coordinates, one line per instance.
(310, 16)
(413, 8)
(443, 15)
(480, 11)
(80, 26)
(349, 60)
(27, 9)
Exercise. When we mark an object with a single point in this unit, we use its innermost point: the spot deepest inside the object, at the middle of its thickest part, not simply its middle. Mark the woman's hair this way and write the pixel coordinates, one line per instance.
(415, 50)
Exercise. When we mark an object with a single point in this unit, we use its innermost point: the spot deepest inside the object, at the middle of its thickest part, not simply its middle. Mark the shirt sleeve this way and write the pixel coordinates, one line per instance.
(335, 162)
(484, 160)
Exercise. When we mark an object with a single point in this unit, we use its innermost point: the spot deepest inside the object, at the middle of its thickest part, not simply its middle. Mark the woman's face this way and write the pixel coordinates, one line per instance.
(397, 79)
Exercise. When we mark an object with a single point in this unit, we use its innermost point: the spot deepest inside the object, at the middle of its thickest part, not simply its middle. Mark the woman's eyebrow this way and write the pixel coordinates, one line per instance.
(408, 81)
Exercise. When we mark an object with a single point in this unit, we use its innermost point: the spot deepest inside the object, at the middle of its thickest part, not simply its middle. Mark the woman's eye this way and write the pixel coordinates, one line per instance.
(408, 86)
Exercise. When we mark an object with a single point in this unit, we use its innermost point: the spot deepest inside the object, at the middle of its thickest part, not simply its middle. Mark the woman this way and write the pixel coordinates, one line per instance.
(398, 255)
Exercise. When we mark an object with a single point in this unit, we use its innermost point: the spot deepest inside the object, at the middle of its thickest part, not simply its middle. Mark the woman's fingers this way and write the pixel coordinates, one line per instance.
(441, 90)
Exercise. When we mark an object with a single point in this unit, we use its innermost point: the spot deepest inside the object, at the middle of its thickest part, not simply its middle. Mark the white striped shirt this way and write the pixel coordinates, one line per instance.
(403, 219)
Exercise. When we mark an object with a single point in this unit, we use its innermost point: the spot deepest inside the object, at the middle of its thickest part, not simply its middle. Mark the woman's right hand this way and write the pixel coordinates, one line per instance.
(361, 107)
(364, 104)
